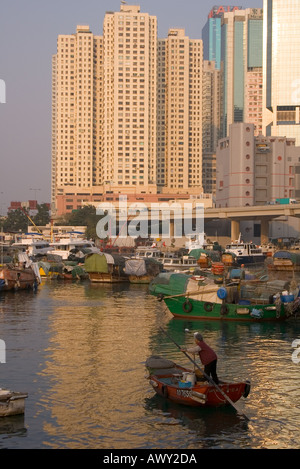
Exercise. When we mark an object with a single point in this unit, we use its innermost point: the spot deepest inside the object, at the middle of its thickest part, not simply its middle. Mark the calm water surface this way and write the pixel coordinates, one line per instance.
(79, 350)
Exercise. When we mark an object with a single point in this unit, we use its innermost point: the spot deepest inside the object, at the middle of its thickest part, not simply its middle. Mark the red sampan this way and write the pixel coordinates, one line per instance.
(183, 386)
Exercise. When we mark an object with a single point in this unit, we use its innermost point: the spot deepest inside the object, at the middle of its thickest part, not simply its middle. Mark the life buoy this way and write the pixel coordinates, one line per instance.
(164, 390)
(208, 306)
(224, 310)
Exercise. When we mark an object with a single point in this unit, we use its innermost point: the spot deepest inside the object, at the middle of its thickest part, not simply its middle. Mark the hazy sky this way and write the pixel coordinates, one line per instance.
(28, 35)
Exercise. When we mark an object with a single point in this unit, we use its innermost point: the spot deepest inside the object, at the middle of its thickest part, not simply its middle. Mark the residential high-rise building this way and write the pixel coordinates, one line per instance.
(129, 98)
(281, 65)
(126, 111)
(241, 66)
(104, 108)
(76, 79)
(180, 112)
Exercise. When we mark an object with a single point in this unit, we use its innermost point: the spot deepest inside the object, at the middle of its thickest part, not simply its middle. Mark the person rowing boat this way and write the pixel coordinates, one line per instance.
(207, 355)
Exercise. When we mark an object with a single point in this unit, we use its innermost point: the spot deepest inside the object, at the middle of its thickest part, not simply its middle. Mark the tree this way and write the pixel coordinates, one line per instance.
(42, 218)
(85, 216)
(16, 221)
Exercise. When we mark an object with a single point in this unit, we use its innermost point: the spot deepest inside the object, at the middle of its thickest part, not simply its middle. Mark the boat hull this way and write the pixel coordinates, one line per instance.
(250, 259)
(17, 279)
(194, 309)
(140, 279)
(103, 277)
(200, 395)
(12, 403)
(182, 386)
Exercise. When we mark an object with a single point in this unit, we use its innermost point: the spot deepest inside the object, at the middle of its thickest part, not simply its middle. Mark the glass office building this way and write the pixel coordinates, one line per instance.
(241, 66)
(211, 34)
(281, 68)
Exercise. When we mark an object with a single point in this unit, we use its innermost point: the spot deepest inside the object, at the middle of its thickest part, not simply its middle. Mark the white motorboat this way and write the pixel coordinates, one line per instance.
(143, 252)
(63, 247)
(179, 264)
(245, 253)
(32, 246)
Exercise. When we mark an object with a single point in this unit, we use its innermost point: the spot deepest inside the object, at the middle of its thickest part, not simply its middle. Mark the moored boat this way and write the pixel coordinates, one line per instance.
(284, 261)
(17, 278)
(205, 258)
(32, 246)
(246, 253)
(142, 270)
(12, 403)
(106, 268)
(249, 300)
(179, 263)
(73, 245)
(187, 387)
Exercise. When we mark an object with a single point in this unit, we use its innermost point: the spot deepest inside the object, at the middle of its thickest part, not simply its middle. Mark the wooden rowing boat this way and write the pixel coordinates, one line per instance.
(183, 386)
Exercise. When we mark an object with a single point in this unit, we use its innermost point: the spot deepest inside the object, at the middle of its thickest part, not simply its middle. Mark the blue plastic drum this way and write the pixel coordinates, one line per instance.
(222, 293)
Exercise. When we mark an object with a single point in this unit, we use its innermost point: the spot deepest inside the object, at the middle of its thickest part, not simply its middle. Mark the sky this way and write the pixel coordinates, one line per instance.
(28, 37)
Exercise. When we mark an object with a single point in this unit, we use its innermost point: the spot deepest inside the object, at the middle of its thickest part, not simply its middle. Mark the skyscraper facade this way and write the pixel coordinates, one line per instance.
(211, 119)
(241, 67)
(281, 65)
(211, 34)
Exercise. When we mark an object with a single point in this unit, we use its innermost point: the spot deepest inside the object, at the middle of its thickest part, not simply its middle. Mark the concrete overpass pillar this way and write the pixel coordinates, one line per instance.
(235, 230)
(264, 231)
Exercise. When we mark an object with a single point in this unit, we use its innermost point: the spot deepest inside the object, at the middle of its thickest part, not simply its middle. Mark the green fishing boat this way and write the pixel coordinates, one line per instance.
(250, 300)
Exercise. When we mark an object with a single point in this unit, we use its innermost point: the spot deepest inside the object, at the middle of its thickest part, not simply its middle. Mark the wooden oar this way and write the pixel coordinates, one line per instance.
(207, 377)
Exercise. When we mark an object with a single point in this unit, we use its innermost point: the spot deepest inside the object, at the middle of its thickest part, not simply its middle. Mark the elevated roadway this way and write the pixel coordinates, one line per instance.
(262, 213)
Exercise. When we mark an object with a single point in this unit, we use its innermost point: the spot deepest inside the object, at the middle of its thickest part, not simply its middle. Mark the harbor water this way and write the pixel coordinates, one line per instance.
(79, 350)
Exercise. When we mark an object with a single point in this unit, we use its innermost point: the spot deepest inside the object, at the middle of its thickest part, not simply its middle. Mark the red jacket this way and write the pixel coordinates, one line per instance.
(206, 354)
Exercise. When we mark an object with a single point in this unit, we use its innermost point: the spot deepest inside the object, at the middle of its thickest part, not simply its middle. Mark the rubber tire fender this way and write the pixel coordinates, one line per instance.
(208, 306)
(187, 306)
(224, 310)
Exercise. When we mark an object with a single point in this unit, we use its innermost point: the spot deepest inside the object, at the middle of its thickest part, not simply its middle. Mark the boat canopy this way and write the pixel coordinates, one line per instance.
(98, 262)
(293, 256)
(135, 267)
(213, 255)
(171, 283)
(143, 266)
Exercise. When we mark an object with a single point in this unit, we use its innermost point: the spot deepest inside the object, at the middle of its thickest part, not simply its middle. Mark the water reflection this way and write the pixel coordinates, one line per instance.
(207, 425)
(79, 350)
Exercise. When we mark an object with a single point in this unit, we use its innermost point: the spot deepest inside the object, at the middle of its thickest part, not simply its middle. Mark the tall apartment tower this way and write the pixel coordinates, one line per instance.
(281, 65)
(76, 112)
(104, 109)
(126, 111)
(180, 112)
(129, 99)
(241, 65)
